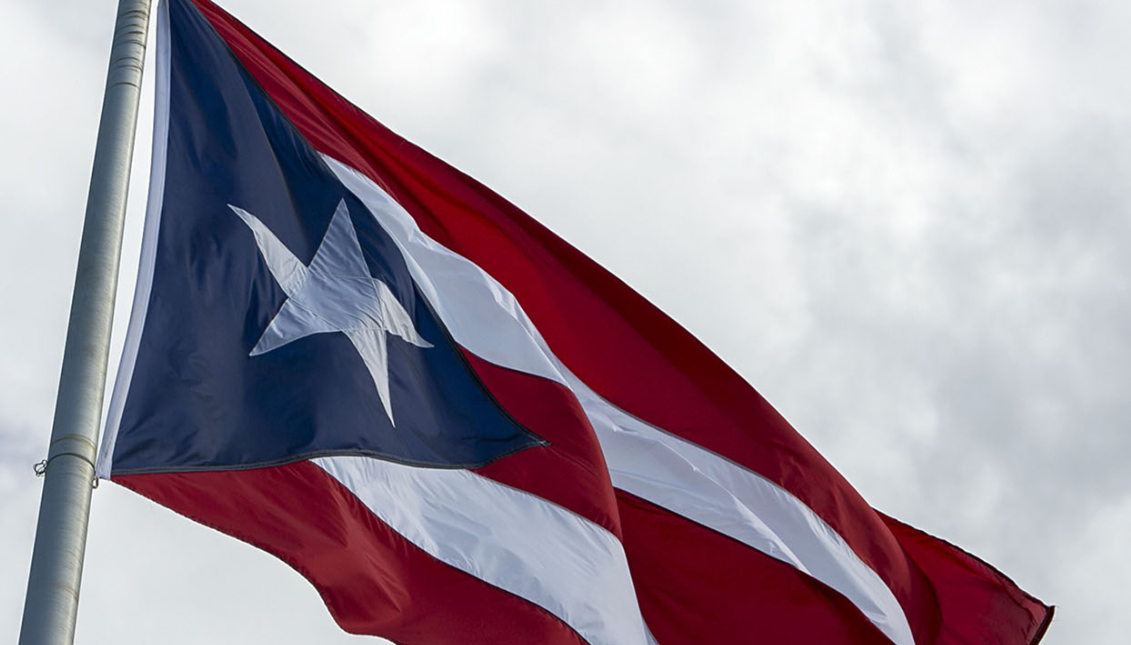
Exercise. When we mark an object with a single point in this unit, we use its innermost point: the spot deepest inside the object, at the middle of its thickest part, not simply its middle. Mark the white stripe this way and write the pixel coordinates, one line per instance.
(715, 492)
(148, 247)
(513, 540)
(680, 476)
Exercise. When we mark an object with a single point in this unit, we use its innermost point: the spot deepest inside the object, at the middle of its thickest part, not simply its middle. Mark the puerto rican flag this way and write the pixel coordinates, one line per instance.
(458, 427)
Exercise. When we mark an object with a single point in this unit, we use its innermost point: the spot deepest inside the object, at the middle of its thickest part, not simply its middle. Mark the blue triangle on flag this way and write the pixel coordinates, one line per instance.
(203, 395)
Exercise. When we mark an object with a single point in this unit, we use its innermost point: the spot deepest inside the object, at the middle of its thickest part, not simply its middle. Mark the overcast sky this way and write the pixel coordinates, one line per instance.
(906, 223)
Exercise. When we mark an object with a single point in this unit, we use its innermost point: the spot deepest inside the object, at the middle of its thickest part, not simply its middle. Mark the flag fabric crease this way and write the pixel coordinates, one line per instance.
(458, 427)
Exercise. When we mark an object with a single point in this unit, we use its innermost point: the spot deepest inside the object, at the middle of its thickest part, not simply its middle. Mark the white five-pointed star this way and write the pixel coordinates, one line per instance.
(335, 293)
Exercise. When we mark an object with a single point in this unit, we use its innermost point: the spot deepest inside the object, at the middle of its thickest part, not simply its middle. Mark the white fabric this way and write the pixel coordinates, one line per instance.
(513, 540)
(668, 471)
(148, 247)
(715, 492)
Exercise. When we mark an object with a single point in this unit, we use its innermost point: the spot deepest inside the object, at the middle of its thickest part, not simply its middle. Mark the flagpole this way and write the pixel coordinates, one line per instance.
(51, 604)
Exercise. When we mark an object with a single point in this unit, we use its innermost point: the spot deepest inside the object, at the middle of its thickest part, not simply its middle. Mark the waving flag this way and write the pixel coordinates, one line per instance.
(458, 427)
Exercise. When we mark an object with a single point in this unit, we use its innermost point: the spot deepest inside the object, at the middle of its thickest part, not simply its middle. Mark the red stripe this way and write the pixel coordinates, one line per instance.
(372, 580)
(722, 591)
(611, 337)
(571, 471)
(972, 594)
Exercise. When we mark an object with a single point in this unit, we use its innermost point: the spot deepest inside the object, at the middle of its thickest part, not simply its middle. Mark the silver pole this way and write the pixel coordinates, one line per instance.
(51, 605)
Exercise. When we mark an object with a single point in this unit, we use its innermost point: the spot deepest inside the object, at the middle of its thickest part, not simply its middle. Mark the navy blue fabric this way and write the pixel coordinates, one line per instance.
(197, 400)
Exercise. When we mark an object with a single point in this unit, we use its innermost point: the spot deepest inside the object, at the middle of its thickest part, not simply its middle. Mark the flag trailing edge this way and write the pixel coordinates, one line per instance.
(423, 393)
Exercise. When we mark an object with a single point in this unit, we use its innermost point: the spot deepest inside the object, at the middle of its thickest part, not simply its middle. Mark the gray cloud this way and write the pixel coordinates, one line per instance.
(905, 223)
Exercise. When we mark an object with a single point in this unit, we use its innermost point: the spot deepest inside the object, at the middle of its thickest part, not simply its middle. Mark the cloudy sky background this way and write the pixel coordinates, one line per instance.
(906, 223)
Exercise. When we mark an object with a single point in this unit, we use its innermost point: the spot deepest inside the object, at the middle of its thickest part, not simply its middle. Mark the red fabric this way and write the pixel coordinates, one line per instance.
(726, 590)
(617, 342)
(972, 594)
(571, 471)
(373, 580)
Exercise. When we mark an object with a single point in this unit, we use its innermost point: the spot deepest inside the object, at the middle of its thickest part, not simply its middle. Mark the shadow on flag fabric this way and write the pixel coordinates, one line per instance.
(455, 425)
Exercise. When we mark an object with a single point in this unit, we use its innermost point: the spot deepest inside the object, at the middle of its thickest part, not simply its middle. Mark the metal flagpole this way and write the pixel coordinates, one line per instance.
(51, 605)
